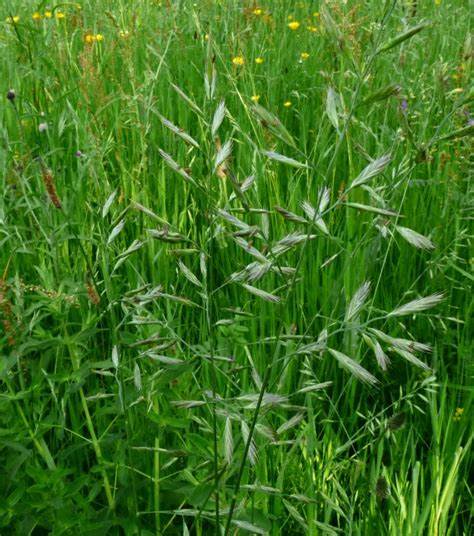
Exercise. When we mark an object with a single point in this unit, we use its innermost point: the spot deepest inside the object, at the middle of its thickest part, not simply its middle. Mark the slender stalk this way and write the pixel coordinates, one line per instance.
(156, 476)
(94, 440)
(211, 338)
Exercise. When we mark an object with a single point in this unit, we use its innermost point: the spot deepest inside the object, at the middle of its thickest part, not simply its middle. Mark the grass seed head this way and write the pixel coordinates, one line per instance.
(382, 489)
(48, 181)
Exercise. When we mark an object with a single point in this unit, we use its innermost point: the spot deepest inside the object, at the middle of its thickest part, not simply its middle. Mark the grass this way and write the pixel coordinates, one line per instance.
(235, 294)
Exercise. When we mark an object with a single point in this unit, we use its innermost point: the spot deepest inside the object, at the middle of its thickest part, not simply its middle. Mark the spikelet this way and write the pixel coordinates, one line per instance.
(48, 181)
(353, 367)
(396, 421)
(415, 239)
(92, 293)
(228, 441)
(416, 306)
(5, 308)
(290, 216)
(223, 153)
(221, 169)
(372, 170)
(252, 453)
(262, 294)
(358, 300)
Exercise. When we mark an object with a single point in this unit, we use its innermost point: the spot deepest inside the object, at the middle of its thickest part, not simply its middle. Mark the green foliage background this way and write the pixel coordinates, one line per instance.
(130, 378)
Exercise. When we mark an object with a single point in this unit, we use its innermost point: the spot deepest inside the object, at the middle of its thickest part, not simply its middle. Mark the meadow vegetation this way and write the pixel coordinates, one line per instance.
(235, 267)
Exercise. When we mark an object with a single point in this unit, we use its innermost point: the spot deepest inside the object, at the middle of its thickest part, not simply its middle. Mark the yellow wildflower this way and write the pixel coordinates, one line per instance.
(255, 98)
(304, 56)
(13, 20)
(99, 37)
(312, 29)
(36, 16)
(287, 104)
(294, 25)
(59, 15)
(48, 14)
(257, 11)
(89, 38)
(238, 60)
(259, 60)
